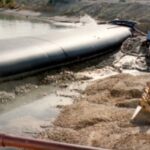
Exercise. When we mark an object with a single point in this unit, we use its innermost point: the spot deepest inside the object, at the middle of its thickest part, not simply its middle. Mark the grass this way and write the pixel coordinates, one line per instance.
(8, 4)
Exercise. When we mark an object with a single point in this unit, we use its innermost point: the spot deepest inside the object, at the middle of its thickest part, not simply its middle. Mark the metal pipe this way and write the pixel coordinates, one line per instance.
(30, 144)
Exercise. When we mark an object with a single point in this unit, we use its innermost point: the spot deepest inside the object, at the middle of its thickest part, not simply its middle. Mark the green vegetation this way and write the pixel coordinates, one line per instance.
(8, 3)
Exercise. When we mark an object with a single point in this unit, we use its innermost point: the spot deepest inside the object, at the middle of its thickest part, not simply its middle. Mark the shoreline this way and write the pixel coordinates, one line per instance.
(37, 16)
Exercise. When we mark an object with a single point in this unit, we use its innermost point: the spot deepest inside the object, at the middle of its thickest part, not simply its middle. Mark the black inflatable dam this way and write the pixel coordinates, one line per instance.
(28, 54)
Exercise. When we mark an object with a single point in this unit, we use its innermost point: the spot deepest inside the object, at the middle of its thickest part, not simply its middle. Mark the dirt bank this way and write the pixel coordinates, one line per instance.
(101, 117)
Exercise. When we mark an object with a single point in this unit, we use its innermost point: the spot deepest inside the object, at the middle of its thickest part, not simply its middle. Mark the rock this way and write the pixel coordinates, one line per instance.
(63, 86)
(25, 88)
(6, 97)
(133, 55)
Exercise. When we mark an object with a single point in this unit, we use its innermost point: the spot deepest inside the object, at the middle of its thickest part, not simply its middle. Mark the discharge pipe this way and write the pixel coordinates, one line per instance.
(34, 144)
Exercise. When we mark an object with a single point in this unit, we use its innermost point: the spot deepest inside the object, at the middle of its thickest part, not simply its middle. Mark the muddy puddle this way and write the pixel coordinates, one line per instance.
(30, 117)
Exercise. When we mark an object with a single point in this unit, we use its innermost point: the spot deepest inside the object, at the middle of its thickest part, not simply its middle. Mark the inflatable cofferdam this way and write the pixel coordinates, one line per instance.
(28, 54)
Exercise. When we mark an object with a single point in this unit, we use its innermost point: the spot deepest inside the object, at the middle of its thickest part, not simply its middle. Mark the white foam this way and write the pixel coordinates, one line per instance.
(88, 20)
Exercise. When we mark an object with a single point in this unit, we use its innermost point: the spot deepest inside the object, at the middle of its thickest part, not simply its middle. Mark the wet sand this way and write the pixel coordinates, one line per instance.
(102, 116)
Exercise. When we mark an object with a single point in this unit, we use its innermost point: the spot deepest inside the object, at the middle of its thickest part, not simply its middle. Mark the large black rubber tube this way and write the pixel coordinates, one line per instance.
(22, 55)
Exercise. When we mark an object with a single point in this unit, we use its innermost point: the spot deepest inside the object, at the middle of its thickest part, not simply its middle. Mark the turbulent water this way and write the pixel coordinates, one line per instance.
(13, 28)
